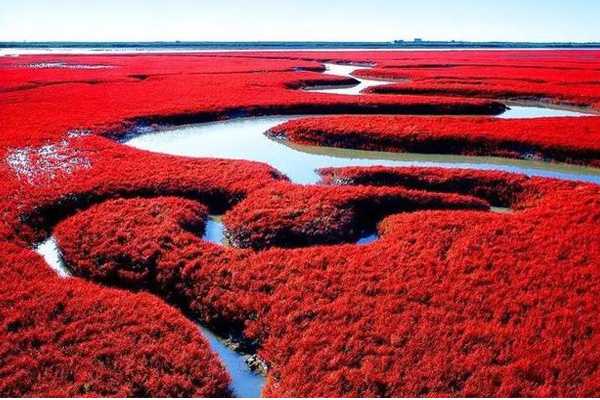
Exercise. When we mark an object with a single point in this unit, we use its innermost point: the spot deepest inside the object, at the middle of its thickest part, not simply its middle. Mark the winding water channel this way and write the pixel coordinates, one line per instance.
(243, 138)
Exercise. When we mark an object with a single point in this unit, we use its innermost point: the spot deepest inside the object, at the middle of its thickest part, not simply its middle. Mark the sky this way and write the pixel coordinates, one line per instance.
(299, 20)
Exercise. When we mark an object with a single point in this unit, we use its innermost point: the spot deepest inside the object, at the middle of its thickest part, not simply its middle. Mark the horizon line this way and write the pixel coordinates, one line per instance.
(394, 41)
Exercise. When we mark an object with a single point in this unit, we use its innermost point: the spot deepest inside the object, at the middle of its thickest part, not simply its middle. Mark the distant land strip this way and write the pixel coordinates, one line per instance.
(397, 44)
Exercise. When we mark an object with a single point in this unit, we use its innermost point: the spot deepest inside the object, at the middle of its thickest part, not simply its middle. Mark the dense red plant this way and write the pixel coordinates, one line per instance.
(130, 255)
(446, 302)
(574, 140)
(70, 338)
(467, 306)
(497, 188)
(116, 98)
(570, 86)
(329, 215)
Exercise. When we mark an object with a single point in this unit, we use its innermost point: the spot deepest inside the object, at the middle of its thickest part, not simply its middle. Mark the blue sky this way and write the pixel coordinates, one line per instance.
(334, 20)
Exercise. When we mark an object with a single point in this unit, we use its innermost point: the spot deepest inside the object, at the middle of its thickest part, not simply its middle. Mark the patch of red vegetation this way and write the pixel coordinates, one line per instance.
(555, 76)
(577, 86)
(29, 72)
(446, 302)
(71, 338)
(564, 139)
(329, 215)
(574, 95)
(497, 188)
(32, 209)
(169, 95)
(130, 256)
(120, 171)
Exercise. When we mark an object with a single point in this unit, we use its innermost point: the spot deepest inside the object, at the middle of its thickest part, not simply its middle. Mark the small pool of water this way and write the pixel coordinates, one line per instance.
(523, 111)
(244, 381)
(367, 238)
(50, 252)
(501, 210)
(214, 230)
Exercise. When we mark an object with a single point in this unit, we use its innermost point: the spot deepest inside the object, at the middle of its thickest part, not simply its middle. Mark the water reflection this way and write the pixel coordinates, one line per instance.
(214, 231)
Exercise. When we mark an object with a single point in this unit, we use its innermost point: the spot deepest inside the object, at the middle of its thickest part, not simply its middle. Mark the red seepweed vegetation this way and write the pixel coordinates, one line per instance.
(445, 303)
(330, 215)
(564, 139)
(560, 77)
(451, 300)
(115, 100)
(71, 338)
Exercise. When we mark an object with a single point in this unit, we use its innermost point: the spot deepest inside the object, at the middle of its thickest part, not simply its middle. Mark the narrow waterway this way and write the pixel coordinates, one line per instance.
(244, 139)
(515, 110)
(521, 110)
(346, 71)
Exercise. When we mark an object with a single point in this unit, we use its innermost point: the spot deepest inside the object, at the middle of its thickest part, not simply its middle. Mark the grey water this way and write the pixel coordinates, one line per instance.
(244, 382)
(244, 139)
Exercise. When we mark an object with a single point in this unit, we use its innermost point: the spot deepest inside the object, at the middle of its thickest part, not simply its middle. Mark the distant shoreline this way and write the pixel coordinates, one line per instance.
(417, 45)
